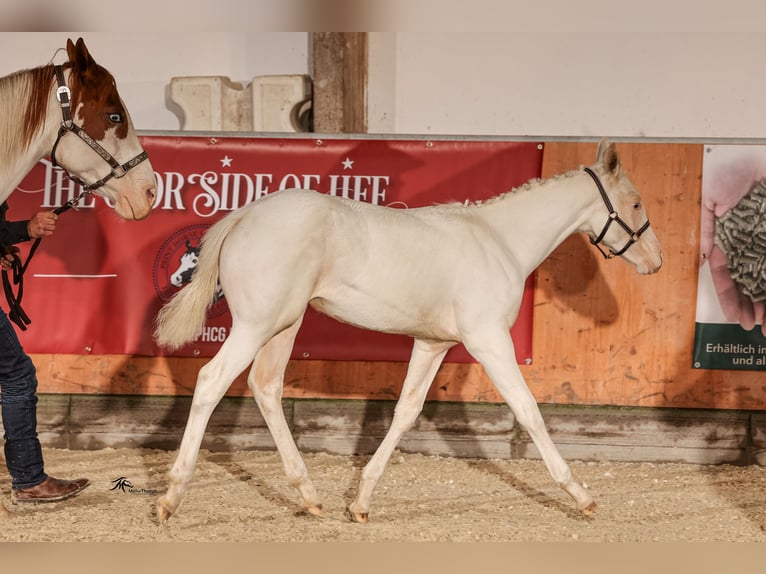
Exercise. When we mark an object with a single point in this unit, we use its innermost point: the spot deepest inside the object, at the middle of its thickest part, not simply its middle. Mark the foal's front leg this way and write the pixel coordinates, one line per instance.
(424, 362)
(496, 354)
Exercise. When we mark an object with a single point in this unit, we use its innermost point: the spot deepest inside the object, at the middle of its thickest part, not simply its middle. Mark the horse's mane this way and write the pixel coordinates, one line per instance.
(529, 186)
(18, 127)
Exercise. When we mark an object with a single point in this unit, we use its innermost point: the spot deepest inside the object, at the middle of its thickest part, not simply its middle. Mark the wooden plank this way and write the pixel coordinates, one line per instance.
(123, 374)
(111, 421)
(758, 438)
(53, 420)
(356, 427)
(449, 429)
(656, 435)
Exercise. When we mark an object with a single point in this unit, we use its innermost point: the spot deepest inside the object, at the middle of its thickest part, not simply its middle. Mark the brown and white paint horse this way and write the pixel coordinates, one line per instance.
(74, 113)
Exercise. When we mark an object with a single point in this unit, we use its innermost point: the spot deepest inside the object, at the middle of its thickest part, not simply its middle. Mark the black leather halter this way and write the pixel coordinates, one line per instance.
(64, 96)
(613, 217)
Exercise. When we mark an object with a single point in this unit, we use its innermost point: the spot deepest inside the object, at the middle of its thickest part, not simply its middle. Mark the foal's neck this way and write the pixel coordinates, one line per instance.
(535, 219)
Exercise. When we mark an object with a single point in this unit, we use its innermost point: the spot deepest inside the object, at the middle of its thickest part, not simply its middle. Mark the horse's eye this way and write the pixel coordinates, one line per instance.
(115, 118)
(636, 206)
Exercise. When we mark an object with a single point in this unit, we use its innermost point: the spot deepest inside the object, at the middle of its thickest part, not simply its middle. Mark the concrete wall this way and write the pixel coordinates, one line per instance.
(639, 84)
(591, 78)
(143, 64)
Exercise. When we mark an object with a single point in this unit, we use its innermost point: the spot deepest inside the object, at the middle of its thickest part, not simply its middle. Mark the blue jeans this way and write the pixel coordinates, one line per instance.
(18, 398)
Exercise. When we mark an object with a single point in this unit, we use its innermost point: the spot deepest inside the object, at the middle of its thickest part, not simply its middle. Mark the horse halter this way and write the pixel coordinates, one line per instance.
(64, 97)
(613, 217)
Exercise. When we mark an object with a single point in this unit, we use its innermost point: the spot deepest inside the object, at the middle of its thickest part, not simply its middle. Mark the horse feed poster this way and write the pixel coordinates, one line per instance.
(731, 290)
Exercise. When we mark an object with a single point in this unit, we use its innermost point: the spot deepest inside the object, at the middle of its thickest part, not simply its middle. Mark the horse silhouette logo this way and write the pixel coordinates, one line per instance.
(186, 265)
(122, 483)
(176, 261)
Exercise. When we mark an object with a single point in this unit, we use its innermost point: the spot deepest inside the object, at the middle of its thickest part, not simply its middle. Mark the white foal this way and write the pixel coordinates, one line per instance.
(443, 274)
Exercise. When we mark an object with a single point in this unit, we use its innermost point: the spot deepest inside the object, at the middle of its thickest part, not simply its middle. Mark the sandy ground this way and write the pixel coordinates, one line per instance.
(244, 496)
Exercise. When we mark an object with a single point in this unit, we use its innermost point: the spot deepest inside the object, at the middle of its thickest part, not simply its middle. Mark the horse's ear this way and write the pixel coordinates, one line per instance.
(78, 54)
(607, 156)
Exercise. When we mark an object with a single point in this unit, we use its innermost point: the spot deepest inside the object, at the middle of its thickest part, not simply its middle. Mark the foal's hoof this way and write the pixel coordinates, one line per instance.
(315, 510)
(163, 512)
(359, 517)
(590, 509)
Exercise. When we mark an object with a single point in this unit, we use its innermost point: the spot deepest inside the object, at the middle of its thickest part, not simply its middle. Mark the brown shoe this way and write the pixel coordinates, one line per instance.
(51, 490)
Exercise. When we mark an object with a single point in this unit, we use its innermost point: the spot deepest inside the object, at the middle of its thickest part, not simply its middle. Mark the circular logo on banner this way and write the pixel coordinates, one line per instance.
(175, 262)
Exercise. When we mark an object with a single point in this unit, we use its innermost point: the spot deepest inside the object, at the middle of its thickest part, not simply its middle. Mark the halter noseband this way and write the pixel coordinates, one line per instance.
(613, 217)
(64, 97)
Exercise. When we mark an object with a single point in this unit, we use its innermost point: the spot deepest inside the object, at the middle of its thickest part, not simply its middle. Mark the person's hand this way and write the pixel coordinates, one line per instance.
(7, 255)
(722, 189)
(6, 261)
(42, 224)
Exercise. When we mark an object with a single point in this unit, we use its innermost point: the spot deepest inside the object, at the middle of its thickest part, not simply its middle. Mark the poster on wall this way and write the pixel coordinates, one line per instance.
(731, 292)
(96, 286)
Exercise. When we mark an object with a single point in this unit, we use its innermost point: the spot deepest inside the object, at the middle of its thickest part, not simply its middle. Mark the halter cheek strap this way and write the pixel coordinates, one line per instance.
(613, 218)
(64, 97)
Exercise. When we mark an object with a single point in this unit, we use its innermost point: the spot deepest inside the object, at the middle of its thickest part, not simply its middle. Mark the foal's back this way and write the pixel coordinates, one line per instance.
(390, 270)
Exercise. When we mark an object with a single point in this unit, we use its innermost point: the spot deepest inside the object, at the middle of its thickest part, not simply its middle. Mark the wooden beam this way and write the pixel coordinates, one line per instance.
(339, 74)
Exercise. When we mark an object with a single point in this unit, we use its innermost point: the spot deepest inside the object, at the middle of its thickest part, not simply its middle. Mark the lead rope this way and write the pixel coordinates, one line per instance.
(16, 312)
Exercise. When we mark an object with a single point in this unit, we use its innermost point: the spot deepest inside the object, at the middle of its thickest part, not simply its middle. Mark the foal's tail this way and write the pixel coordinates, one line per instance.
(182, 318)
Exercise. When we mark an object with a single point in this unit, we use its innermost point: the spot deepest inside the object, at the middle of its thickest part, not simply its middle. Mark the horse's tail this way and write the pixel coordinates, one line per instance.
(182, 318)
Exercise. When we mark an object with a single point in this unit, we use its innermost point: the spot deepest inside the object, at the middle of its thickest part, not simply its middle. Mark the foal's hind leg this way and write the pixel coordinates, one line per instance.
(213, 381)
(266, 380)
(496, 354)
(424, 362)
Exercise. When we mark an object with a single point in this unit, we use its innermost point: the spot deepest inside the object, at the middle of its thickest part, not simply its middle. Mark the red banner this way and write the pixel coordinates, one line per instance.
(97, 284)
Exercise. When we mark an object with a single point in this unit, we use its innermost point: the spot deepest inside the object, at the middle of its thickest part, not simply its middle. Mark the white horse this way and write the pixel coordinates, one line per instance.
(443, 274)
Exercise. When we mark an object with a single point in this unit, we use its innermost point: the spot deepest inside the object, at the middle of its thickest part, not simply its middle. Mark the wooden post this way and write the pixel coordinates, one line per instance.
(340, 82)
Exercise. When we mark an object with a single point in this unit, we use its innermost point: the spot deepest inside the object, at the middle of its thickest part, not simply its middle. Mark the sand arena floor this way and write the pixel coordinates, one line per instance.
(244, 496)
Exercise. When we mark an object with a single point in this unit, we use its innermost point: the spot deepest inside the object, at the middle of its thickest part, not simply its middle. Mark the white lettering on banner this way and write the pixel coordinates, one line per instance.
(262, 181)
(169, 190)
(292, 180)
(222, 191)
(213, 335)
(358, 190)
(59, 188)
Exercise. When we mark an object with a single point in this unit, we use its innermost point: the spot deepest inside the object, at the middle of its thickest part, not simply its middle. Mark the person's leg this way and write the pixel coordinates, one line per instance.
(18, 404)
(18, 395)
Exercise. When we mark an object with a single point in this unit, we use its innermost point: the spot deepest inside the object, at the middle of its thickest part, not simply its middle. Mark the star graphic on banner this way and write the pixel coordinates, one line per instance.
(226, 161)
(348, 164)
